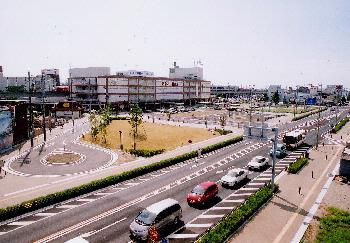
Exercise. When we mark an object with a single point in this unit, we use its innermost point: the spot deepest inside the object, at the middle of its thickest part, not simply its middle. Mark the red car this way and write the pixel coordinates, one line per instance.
(202, 193)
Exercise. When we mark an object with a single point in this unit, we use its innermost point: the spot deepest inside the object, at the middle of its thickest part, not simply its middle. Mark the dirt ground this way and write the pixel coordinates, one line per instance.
(158, 136)
(62, 158)
(337, 196)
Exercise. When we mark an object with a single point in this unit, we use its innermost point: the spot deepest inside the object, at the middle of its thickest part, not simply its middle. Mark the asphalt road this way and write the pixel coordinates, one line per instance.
(107, 218)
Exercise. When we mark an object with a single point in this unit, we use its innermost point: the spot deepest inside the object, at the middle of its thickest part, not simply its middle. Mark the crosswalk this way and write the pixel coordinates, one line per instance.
(191, 231)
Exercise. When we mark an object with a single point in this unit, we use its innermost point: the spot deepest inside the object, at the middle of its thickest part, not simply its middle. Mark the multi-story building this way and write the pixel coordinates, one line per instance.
(186, 73)
(134, 73)
(89, 72)
(21, 84)
(119, 90)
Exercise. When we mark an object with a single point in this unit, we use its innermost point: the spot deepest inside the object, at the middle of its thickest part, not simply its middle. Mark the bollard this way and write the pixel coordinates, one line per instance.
(299, 189)
(312, 174)
(341, 137)
(326, 157)
(323, 144)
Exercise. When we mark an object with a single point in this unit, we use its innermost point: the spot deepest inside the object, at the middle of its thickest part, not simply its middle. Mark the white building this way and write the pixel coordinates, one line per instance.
(333, 89)
(186, 73)
(135, 73)
(273, 88)
(39, 81)
(89, 72)
(117, 89)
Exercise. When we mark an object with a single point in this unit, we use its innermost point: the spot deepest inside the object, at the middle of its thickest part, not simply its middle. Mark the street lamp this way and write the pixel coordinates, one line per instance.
(31, 133)
(318, 120)
(43, 104)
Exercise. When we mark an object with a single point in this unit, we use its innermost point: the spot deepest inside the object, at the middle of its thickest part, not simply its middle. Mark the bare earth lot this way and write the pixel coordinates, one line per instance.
(159, 136)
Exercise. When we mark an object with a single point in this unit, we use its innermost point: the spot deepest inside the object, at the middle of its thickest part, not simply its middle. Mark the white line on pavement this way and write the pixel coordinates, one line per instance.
(97, 231)
(22, 223)
(210, 216)
(198, 225)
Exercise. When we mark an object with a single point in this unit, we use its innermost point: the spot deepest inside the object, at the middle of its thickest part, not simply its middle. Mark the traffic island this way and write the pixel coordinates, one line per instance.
(64, 158)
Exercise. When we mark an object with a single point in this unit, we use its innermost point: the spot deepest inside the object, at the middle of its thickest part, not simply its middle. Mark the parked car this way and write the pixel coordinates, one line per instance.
(162, 214)
(203, 193)
(234, 176)
(258, 162)
(281, 150)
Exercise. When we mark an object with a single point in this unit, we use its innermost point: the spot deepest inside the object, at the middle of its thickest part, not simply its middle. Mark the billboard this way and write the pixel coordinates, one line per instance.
(6, 135)
(311, 101)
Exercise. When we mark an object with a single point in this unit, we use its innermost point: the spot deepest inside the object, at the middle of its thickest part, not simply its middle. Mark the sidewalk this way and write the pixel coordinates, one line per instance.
(16, 189)
(283, 215)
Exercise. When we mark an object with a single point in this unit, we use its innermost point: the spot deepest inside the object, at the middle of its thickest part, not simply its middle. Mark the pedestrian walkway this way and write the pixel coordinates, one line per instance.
(283, 215)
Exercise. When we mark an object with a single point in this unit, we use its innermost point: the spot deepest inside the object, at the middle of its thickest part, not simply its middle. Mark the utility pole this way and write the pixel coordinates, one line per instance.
(43, 105)
(318, 120)
(30, 112)
(71, 98)
(275, 130)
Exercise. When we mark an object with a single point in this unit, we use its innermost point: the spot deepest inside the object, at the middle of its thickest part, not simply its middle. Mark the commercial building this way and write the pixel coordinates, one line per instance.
(89, 72)
(193, 73)
(48, 80)
(135, 73)
(122, 90)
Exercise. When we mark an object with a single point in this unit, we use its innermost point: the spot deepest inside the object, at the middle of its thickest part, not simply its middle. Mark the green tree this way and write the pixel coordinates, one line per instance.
(276, 97)
(135, 121)
(343, 100)
(94, 120)
(222, 120)
(265, 97)
(105, 120)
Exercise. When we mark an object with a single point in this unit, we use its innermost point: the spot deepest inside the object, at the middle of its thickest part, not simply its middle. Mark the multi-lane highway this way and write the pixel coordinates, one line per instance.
(105, 216)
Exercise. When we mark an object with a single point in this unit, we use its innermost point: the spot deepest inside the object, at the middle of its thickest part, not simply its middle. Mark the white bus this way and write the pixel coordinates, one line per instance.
(294, 138)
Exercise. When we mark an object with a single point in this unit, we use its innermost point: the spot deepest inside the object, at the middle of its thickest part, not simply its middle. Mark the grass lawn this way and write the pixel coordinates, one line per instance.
(335, 226)
(159, 136)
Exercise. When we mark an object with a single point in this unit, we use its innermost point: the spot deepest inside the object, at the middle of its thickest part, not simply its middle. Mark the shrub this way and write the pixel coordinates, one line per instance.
(223, 131)
(53, 198)
(335, 226)
(146, 152)
(308, 114)
(297, 165)
(340, 125)
(229, 224)
(120, 118)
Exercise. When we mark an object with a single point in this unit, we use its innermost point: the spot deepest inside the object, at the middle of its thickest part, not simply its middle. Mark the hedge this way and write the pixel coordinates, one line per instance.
(308, 114)
(146, 152)
(223, 131)
(53, 198)
(340, 125)
(297, 165)
(120, 118)
(230, 223)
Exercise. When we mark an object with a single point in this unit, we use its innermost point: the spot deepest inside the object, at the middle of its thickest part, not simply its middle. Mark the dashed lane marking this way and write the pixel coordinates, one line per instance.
(198, 225)
(206, 216)
(182, 236)
(21, 223)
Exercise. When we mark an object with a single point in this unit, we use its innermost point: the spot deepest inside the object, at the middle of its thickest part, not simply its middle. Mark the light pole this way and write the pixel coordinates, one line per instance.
(318, 120)
(43, 104)
(30, 112)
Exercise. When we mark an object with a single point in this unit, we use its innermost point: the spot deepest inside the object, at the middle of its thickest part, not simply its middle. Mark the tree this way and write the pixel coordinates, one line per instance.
(105, 119)
(276, 97)
(135, 121)
(265, 97)
(222, 120)
(94, 120)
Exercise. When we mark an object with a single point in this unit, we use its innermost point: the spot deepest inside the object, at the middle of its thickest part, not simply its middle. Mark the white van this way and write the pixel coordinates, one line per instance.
(161, 214)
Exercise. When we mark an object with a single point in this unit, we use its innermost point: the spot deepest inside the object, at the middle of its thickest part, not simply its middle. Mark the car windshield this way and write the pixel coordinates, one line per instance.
(257, 160)
(198, 190)
(232, 173)
(146, 217)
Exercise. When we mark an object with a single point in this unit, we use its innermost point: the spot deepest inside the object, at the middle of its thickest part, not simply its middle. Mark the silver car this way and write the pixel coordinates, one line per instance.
(161, 215)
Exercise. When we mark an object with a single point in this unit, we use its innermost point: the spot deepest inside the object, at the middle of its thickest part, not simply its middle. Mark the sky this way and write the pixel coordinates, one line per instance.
(238, 42)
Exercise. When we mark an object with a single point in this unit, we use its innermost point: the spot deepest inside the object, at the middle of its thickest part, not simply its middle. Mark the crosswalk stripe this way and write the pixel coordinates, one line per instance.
(22, 223)
(182, 236)
(198, 225)
(45, 214)
(210, 216)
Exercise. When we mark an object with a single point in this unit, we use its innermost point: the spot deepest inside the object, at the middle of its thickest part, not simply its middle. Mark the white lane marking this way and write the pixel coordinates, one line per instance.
(241, 194)
(233, 201)
(2, 233)
(86, 200)
(103, 193)
(210, 216)
(97, 231)
(198, 225)
(219, 171)
(182, 236)
(131, 183)
(68, 206)
(248, 189)
(45, 214)
(22, 223)
(24, 190)
(222, 208)
(256, 184)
